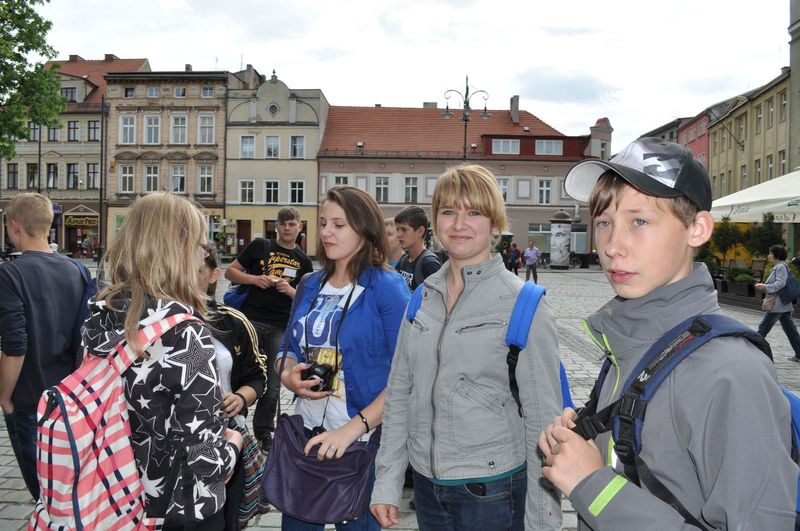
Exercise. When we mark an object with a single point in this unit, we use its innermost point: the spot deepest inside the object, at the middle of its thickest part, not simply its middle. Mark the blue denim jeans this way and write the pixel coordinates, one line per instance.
(22, 433)
(495, 506)
(270, 338)
(788, 325)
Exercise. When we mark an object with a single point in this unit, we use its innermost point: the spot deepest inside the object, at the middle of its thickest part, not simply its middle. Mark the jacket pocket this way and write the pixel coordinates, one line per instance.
(477, 417)
(481, 327)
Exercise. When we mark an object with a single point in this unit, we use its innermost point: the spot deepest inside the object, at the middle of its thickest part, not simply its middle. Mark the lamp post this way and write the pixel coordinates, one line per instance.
(466, 110)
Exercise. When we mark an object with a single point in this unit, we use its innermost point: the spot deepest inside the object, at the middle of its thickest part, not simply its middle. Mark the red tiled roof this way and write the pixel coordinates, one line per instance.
(94, 69)
(419, 130)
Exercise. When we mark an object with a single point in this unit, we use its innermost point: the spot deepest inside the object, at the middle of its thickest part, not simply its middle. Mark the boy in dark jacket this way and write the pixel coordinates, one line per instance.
(717, 431)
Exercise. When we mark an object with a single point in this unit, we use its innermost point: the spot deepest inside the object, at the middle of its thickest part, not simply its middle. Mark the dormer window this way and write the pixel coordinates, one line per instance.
(505, 146)
(550, 147)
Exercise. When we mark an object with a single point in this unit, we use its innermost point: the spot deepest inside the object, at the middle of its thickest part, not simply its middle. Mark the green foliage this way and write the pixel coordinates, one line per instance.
(744, 278)
(726, 236)
(27, 91)
(761, 236)
(737, 271)
(705, 255)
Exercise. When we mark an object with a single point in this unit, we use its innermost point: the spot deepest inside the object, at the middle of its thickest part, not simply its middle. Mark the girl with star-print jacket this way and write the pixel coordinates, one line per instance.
(174, 402)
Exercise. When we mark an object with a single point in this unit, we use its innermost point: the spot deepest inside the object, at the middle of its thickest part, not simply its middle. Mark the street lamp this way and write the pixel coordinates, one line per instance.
(467, 110)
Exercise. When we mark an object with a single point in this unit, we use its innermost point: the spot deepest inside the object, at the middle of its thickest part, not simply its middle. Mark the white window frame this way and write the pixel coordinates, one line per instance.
(126, 178)
(149, 128)
(242, 154)
(148, 176)
(269, 189)
(503, 183)
(52, 133)
(361, 182)
(153, 92)
(758, 118)
(524, 188)
(93, 131)
(784, 107)
(205, 179)
(770, 167)
(92, 175)
(206, 132)
(268, 147)
(293, 149)
(76, 137)
(382, 188)
(505, 146)
(411, 189)
(549, 147)
(341, 180)
(770, 112)
(251, 188)
(128, 92)
(179, 92)
(207, 92)
(127, 129)
(544, 192)
(175, 129)
(293, 189)
(757, 170)
(73, 176)
(177, 171)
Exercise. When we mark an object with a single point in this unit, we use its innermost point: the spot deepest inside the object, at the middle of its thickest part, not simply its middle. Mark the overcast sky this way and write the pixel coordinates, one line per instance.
(641, 64)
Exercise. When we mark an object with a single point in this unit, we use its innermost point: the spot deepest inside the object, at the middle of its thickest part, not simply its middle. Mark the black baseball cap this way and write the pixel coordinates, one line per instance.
(651, 165)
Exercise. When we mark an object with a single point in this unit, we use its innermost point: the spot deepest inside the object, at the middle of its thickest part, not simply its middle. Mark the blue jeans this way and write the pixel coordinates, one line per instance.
(270, 338)
(494, 506)
(22, 433)
(788, 327)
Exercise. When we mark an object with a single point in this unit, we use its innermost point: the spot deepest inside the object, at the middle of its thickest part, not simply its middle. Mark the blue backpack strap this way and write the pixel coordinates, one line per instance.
(794, 403)
(414, 303)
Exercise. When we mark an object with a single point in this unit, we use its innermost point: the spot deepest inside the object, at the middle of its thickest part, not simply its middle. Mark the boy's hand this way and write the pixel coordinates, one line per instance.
(571, 459)
(385, 514)
(546, 440)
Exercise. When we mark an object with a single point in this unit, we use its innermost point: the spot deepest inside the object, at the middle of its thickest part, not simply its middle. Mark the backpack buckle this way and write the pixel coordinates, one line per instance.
(699, 327)
(628, 408)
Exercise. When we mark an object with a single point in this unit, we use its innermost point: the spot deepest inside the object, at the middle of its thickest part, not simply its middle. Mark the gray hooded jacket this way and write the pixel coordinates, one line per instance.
(717, 431)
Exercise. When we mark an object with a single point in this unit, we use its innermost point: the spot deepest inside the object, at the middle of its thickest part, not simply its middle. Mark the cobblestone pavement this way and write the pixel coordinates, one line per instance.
(573, 294)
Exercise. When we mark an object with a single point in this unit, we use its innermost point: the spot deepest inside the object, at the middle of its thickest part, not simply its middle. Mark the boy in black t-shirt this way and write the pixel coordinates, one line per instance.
(418, 262)
(273, 268)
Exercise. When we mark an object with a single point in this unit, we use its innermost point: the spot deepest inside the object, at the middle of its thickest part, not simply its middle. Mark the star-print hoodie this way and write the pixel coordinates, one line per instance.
(174, 403)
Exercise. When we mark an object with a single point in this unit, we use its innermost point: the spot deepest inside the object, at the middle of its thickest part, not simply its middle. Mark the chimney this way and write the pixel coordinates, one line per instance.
(377, 105)
(110, 57)
(784, 70)
(73, 58)
(514, 110)
(430, 105)
(187, 67)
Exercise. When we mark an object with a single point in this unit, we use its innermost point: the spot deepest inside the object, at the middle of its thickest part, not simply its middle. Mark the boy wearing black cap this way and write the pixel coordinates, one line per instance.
(717, 432)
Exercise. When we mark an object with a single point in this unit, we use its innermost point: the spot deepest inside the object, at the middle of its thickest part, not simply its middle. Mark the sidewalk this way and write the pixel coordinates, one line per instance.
(572, 294)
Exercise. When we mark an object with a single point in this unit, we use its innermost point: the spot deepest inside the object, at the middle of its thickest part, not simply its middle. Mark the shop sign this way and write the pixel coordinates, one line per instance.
(80, 221)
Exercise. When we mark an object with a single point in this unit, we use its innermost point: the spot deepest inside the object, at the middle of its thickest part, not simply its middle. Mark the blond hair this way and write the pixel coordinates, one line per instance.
(473, 184)
(156, 255)
(33, 212)
(389, 222)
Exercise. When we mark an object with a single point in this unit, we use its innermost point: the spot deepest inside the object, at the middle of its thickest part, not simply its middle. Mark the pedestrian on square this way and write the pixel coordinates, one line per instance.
(172, 389)
(715, 446)
(514, 259)
(449, 409)
(273, 269)
(40, 295)
(531, 255)
(242, 369)
(779, 310)
(395, 250)
(347, 318)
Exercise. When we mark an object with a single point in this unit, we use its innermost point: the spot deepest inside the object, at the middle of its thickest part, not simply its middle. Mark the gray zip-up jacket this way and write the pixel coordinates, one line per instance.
(717, 431)
(449, 408)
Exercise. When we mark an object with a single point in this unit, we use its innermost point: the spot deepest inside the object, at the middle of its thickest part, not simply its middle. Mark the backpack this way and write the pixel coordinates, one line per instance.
(516, 335)
(89, 289)
(625, 417)
(791, 291)
(418, 277)
(87, 472)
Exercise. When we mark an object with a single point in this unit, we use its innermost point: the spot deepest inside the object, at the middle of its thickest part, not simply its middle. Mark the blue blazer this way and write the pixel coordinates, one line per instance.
(368, 335)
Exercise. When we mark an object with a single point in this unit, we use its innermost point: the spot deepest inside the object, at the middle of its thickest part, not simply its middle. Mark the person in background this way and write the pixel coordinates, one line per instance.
(172, 389)
(515, 259)
(449, 409)
(242, 369)
(395, 251)
(347, 317)
(781, 311)
(531, 257)
(418, 262)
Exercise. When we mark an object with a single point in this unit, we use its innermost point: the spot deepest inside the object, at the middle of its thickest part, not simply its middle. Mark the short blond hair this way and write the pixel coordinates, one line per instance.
(389, 222)
(477, 186)
(33, 212)
(155, 255)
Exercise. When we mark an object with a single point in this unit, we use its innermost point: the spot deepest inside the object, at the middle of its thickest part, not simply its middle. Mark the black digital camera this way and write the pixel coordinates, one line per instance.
(323, 371)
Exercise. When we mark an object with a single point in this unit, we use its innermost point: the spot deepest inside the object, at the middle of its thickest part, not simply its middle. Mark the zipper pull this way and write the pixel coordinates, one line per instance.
(52, 404)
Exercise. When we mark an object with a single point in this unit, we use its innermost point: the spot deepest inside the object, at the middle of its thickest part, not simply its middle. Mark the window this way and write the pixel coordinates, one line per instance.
(126, 179)
(549, 147)
(682, 139)
(296, 192)
(701, 128)
(757, 169)
(545, 187)
(128, 92)
(298, 147)
(770, 112)
(743, 177)
(714, 143)
(52, 175)
(782, 161)
(93, 131)
(246, 189)
(207, 92)
(784, 110)
(33, 131)
(12, 175)
(271, 191)
(72, 176)
(152, 92)
(692, 134)
(151, 172)
(92, 175)
(205, 179)
(272, 147)
(73, 130)
(205, 130)
(757, 124)
(505, 146)
(127, 129)
(180, 92)
(178, 178)
(741, 126)
(723, 137)
(770, 168)
(70, 93)
(361, 183)
(503, 184)
(33, 175)
(52, 134)
(178, 130)
(382, 189)
(411, 189)
(341, 180)
(247, 147)
(603, 151)
(152, 129)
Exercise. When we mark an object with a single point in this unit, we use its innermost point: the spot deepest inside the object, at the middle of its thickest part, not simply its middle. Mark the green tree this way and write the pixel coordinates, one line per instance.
(726, 236)
(760, 237)
(27, 91)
